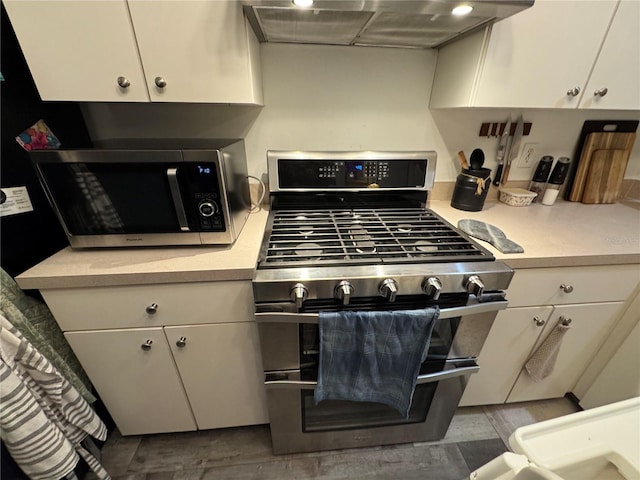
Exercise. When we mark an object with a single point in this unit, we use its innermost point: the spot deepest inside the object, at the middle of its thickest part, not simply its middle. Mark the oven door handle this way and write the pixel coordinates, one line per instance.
(445, 313)
(426, 378)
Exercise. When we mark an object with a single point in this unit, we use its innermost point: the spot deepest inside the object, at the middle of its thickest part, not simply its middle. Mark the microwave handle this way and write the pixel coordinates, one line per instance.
(172, 176)
(453, 312)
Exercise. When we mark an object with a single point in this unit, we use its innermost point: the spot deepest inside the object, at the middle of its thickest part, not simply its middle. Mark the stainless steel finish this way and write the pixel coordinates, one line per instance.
(432, 287)
(174, 186)
(274, 155)
(601, 92)
(152, 309)
(229, 157)
(343, 292)
(421, 379)
(445, 313)
(123, 82)
(394, 23)
(573, 92)
(160, 82)
(566, 288)
(320, 281)
(285, 415)
(539, 322)
(474, 285)
(564, 321)
(146, 345)
(298, 294)
(181, 342)
(389, 289)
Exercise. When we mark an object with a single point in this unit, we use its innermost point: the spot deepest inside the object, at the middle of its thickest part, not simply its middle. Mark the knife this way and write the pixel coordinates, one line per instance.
(513, 149)
(502, 148)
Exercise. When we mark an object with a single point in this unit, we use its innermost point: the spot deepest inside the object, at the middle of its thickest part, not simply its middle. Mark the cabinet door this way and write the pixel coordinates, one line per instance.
(203, 50)
(536, 56)
(590, 326)
(140, 387)
(510, 341)
(618, 66)
(221, 369)
(77, 50)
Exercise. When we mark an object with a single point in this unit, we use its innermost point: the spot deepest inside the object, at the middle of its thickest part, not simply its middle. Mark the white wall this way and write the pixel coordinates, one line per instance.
(348, 98)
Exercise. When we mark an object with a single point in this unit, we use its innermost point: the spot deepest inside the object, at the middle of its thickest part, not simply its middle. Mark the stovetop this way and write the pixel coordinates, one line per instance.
(362, 236)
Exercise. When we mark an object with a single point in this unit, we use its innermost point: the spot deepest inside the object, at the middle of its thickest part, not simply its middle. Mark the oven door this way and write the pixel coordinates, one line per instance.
(299, 425)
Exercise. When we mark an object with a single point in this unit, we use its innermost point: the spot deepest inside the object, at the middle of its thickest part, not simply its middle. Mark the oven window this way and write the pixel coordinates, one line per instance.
(331, 415)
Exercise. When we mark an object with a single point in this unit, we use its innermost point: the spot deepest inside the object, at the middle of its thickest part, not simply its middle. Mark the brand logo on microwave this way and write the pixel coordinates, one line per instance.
(133, 239)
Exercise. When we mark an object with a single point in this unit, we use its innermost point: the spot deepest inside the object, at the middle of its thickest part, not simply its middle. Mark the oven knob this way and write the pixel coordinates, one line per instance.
(207, 208)
(298, 294)
(432, 287)
(474, 285)
(388, 289)
(343, 291)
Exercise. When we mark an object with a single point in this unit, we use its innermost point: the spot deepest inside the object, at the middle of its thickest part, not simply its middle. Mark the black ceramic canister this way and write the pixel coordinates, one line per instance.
(471, 189)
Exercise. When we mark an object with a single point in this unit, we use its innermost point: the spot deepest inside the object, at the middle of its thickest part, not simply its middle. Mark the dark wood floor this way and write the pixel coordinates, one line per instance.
(476, 435)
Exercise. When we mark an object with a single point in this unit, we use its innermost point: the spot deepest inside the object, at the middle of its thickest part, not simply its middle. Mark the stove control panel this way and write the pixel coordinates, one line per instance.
(327, 174)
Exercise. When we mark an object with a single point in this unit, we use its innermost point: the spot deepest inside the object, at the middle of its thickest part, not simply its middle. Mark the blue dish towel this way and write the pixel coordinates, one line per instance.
(373, 356)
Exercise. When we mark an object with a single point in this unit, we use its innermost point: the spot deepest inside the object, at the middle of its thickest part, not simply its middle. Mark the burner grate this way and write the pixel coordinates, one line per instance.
(364, 236)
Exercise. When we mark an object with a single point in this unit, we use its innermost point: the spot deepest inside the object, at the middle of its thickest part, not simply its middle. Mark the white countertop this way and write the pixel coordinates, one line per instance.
(136, 266)
(565, 234)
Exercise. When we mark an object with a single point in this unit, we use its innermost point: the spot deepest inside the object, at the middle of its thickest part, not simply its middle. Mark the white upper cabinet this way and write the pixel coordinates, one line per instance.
(77, 50)
(139, 50)
(543, 57)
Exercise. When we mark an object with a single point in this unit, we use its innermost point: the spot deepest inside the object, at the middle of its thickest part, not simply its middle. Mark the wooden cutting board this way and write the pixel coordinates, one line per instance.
(606, 172)
(598, 142)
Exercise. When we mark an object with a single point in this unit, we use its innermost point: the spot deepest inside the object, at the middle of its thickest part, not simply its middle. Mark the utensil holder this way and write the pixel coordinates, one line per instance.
(471, 189)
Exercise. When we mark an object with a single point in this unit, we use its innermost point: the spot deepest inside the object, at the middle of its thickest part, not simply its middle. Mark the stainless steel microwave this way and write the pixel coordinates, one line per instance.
(147, 197)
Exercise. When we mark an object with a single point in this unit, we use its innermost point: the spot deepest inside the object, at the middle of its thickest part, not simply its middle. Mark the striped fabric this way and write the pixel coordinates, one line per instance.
(43, 418)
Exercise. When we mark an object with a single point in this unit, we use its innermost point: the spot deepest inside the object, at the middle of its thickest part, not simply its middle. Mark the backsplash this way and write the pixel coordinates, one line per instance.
(341, 98)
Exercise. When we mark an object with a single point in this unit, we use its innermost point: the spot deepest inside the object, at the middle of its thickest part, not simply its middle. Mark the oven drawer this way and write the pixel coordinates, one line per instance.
(151, 305)
(567, 285)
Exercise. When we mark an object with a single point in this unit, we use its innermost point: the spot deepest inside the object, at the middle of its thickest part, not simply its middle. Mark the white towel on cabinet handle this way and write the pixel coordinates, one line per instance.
(541, 363)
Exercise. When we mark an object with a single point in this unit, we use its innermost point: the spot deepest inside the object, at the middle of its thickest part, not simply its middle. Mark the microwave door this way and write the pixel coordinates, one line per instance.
(115, 198)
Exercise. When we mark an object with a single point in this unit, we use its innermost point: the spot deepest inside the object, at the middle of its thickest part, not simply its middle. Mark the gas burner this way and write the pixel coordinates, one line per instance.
(308, 250)
(424, 246)
(405, 228)
(305, 229)
(362, 240)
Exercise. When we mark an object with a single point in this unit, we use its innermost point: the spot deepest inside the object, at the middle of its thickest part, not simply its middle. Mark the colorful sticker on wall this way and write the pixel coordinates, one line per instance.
(14, 200)
(38, 137)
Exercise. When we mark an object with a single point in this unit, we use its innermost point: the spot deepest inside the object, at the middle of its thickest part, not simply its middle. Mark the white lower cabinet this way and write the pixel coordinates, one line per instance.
(590, 326)
(592, 297)
(168, 358)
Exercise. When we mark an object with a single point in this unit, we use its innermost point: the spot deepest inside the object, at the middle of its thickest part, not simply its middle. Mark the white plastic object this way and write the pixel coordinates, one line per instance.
(550, 196)
(512, 466)
(601, 443)
(517, 197)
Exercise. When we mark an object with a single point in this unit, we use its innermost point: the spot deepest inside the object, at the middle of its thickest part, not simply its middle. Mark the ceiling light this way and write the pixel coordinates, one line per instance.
(462, 10)
(302, 3)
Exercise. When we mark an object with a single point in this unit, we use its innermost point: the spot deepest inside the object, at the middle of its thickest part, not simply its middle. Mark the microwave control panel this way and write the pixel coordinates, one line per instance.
(204, 212)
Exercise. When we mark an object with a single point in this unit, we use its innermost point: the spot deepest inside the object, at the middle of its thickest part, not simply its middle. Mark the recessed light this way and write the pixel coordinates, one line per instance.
(462, 10)
(302, 3)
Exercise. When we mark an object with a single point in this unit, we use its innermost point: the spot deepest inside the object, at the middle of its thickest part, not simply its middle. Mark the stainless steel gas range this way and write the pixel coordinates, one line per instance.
(350, 231)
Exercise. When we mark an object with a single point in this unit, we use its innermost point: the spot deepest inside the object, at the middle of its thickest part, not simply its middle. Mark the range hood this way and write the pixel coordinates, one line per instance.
(388, 23)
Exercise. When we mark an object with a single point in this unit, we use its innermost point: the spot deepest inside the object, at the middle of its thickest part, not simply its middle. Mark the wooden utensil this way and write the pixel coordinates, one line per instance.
(594, 142)
(606, 172)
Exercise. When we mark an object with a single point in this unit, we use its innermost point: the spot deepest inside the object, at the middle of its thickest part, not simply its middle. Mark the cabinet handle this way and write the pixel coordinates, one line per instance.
(601, 92)
(152, 309)
(539, 321)
(573, 92)
(146, 345)
(565, 321)
(160, 82)
(566, 288)
(124, 82)
(181, 342)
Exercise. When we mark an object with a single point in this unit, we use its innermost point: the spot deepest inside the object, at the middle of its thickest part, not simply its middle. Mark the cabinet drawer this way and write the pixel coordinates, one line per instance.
(128, 306)
(542, 286)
